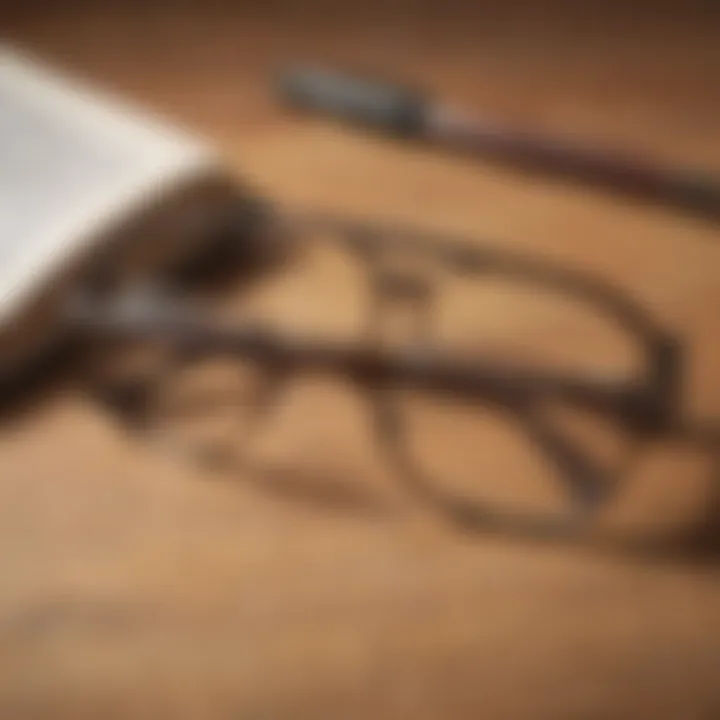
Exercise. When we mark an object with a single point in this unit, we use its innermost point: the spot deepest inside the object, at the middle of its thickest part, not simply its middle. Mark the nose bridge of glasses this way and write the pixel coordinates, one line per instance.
(401, 305)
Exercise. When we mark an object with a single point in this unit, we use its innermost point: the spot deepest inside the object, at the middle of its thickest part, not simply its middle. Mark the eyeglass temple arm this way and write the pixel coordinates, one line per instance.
(661, 377)
(628, 401)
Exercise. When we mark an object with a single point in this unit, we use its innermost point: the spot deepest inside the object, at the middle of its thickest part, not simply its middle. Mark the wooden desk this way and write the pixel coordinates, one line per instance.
(135, 587)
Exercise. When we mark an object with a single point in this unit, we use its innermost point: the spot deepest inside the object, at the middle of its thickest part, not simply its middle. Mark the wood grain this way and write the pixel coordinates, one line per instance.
(135, 586)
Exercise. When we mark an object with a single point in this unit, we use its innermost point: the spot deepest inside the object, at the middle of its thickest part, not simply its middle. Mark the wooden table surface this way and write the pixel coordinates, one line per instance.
(135, 586)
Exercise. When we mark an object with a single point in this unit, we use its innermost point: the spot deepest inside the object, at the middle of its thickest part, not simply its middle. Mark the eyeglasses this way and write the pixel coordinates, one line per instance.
(430, 387)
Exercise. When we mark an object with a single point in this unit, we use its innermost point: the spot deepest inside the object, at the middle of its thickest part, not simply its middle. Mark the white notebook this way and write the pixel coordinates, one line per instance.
(75, 166)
